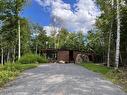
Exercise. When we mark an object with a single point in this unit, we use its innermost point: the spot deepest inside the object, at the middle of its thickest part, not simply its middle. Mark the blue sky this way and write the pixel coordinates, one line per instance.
(74, 15)
(35, 13)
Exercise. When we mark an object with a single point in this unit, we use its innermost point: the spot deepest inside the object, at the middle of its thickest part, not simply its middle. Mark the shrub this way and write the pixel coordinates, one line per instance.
(119, 77)
(32, 58)
(17, 67)
(10, 70)
(41, 59)
(11, 67)
(6, 76)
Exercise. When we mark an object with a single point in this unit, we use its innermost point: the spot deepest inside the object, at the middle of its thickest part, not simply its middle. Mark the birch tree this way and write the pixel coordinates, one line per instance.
(19, 40)
(2, 8)
(19, 5)
(118, 36)
(109, 41)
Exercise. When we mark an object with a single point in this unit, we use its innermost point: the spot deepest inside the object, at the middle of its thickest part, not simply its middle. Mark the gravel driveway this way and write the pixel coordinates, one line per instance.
(61, 79)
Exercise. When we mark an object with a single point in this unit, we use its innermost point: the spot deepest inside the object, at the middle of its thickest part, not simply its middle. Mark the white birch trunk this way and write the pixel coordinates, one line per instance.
(109, 49)
(118, 36)
(109, 44)
(19, 40)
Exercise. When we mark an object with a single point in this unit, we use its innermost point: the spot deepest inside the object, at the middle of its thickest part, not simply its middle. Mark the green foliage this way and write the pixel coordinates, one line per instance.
(106, 23)
(32, 58)
(6, 76)
(119, 77)
(25, 36)
(10, 70)
(95, 42)
(39, 38)
(69, 40)
(63, 39)
(96, 68)
(17, 66)
(9, 15)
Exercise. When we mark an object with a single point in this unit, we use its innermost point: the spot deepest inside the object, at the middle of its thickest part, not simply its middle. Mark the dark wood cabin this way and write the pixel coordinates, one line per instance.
(68, 56)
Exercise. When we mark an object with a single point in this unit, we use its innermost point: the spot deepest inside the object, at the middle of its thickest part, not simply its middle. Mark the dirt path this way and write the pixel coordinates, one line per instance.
(61, 79)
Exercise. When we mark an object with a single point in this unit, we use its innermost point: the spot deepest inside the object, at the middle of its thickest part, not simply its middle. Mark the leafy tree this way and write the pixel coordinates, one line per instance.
(39, 38)
(9, 15)
(110, 23)
(18, 5)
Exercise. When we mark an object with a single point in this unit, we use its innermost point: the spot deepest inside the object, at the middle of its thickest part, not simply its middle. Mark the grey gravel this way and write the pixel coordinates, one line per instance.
(61, 79)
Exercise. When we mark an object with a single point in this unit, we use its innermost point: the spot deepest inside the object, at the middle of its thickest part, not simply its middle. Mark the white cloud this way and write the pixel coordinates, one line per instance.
(82, 18)
(49, 29)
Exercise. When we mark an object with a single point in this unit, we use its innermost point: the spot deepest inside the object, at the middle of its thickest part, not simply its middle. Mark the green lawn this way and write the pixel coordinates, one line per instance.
(96, 68)
(10, 71)
(116, 76)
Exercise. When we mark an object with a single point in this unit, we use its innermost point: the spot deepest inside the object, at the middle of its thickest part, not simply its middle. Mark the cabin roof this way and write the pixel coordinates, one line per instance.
(56, 50)
(52, 49)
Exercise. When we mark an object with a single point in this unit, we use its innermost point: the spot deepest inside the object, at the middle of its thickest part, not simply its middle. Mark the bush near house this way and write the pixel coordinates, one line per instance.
(10, 70)
(32, 58)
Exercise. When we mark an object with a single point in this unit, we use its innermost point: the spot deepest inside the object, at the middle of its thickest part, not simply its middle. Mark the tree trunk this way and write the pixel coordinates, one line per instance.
(14, 55)
(19, 39)
(39, 52)
(126, 57)
(121, 60)
(118, 36)
(2, 56)
(109, 44)
(8, 56)
(36, 49)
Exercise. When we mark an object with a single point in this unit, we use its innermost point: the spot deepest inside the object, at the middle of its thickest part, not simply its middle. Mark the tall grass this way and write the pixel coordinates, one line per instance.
(10, 70)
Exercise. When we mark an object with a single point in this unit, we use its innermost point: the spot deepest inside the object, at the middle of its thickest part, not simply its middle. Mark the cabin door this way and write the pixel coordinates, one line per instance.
(71, 59)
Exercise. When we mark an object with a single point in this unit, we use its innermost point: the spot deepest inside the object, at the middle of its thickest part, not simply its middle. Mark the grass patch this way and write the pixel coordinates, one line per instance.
(96, 68)
(116, 76)
(10, 70)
